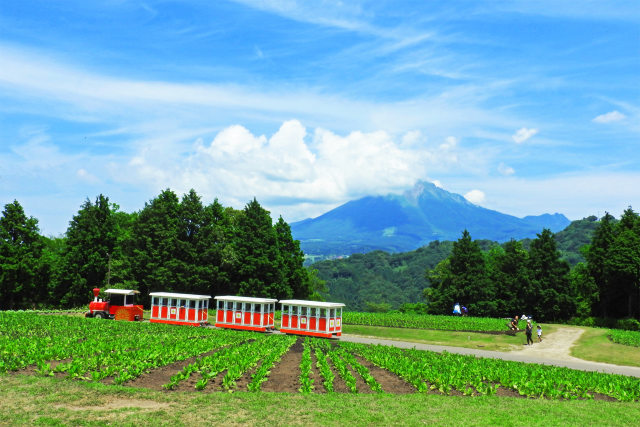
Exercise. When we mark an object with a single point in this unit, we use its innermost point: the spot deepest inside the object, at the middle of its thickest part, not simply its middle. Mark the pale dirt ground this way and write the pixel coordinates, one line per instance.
(556, 345)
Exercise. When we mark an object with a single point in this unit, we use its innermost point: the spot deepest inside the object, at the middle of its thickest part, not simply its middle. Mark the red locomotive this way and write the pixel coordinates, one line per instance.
(120, 305)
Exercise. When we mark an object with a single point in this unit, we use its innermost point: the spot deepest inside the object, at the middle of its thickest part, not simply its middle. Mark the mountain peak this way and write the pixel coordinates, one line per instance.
(420, 215)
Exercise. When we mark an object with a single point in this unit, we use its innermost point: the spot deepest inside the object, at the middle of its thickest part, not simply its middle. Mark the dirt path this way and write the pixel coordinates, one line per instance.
(556, 345)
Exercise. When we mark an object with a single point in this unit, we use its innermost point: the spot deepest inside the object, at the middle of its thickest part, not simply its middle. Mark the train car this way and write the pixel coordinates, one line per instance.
(248, 313)
(319, 319)
(179, 309)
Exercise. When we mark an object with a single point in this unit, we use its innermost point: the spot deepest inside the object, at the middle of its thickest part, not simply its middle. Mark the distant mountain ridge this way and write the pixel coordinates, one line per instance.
(400, 223)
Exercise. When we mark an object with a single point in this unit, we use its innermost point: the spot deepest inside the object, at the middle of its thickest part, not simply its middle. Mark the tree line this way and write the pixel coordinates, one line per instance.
(173, 244)
(509, 279)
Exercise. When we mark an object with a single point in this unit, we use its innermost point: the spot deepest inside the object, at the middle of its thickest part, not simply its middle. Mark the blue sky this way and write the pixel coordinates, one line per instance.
(525, 107)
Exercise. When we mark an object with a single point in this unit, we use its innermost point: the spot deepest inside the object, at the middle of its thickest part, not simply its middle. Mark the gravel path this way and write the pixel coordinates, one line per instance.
(553, 350)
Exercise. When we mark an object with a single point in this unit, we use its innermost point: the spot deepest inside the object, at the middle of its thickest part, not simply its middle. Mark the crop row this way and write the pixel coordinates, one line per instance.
(469, 375)
(631, 338)
(92, 349)
(425, 321)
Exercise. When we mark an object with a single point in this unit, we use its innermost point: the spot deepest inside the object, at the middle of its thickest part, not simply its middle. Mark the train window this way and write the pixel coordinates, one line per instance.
(164, 301)
(192, 303)
(294, 310)
(285, 309)
(173, 302)
(303, 311)
(332, 312)
(116, 299)
(312, 312)
(154, 300)
(229, 305)
(323, 312)
(205, 304)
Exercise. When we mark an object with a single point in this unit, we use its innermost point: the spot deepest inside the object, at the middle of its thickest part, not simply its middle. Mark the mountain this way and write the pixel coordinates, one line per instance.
(400, 223)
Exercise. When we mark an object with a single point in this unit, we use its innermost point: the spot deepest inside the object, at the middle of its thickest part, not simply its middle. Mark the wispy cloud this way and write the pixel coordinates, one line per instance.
(610, 117)
(523, 134)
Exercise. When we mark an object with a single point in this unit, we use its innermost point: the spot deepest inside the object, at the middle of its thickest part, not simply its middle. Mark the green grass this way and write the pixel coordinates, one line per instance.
(28, 400)
(594, 345)
(482, 341)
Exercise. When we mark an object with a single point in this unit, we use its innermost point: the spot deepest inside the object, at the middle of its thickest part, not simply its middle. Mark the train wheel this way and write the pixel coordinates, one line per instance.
(99, 315)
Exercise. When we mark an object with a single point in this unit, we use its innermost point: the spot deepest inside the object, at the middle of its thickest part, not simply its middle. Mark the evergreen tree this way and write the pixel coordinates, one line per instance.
(510, 275)
(550, 293)
(295, 276)
(21, 249)
(260, 266)
(623, 265)
(596, 254)
(154, 265)
(91, 238)
(463, 278)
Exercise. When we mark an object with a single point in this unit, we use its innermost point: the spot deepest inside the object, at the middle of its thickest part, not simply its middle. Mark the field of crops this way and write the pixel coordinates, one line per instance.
(619, 336)
(426, 321)
(201, 359)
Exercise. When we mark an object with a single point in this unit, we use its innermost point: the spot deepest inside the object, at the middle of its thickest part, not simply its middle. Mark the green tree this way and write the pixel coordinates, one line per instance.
(463, 278)
(154, 245)
(596, 254)
(509, 273)
(550, 293)
(21, 248)
(91, 238)
(623, 266)
(260, 266)
(295, 276)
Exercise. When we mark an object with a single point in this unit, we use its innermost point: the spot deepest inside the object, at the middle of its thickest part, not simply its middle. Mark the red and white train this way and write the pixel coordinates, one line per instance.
(299, 317)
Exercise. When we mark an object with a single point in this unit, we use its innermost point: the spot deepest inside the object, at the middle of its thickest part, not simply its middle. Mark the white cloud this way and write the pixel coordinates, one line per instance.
(505, 170)
(475, 196)
(288, 169)
(87, 177)
(610, 117)
(523, 134)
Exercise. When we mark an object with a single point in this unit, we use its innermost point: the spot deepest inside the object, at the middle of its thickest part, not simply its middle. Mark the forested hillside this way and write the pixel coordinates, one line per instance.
(172, 244)
(380, 280)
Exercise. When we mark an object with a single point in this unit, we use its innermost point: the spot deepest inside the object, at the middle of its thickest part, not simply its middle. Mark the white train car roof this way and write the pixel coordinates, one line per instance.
(245, 299)
(320, 304)
(121, 291)
(183, 296)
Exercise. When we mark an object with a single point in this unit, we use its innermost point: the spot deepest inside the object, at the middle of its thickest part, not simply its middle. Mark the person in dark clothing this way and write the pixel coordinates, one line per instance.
(514, 324)
(529, 331)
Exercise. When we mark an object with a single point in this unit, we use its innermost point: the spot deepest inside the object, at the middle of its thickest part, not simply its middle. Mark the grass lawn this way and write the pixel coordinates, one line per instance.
(594, 345)
(457, 339)
(29, 400)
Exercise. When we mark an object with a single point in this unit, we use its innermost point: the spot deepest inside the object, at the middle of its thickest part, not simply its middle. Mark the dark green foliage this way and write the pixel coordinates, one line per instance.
(23, 274)
(614, 264)
(260, 266)
(503, 281)
(551, 296)
(91, 238)
(462, 279)
(380, 277)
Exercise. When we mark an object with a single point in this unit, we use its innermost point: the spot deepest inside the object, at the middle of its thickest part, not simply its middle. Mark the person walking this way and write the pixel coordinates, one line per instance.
(539, 333)
(529, 332)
